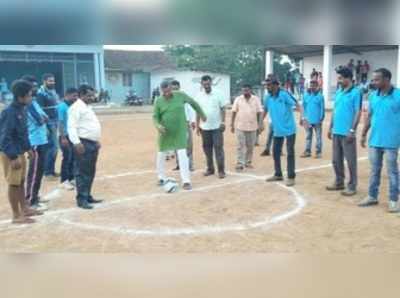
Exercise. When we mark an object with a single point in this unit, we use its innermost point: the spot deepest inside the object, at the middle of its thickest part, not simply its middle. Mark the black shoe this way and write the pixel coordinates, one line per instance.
(94, 201)
(208, 173)
(176, 169)
(85, 205)
(266, 153)
(221, 175)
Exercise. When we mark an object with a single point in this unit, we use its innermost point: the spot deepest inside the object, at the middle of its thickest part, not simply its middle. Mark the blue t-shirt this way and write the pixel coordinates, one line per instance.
(385, 119)
(280, 109)
(347, 105)
(62, 109)
(314, 107)
(37, 130)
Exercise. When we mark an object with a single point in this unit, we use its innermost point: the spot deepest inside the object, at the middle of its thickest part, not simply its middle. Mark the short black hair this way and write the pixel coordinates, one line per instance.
(165, 84)
(386, 74)
(206, 78)
(84, 89)
(271, 78)
(21, 88)
(30, 78)
(246, 85)
(175, 83)
(47, 76)
(345, 72)
(71, 91)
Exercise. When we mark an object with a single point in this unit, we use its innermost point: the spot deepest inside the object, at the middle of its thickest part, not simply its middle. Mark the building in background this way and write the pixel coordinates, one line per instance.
(143, 71)
(327, 58)
(72, 65)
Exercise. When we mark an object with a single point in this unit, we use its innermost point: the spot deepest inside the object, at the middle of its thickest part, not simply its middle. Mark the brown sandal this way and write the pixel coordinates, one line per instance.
(23, 221)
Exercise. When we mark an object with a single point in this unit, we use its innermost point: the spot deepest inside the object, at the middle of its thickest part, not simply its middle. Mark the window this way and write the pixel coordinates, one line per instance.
(127, 79)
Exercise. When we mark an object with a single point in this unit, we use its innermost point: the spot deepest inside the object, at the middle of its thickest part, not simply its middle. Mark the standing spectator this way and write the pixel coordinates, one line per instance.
(344, 123)
(359, 67)
(170, 121)
(279, 104)
(351, 66)
(67, 165)
(365, 71)
(37, 130)
(190, 115)
(47, 98)
(301, 86)
(314, 74)
(246, 121)
(314, 113)
(84, 131)
(212, 130)
(14, 143)
(384, 121)
(320, 80)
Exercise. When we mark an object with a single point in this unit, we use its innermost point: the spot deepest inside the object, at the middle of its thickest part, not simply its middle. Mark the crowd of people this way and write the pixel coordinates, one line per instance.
(35, 123)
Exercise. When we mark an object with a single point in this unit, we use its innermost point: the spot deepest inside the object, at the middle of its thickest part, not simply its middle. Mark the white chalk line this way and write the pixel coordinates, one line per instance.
(301, 203)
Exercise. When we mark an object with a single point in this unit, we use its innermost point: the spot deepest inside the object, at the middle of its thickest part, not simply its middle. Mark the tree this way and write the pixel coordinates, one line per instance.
(244, 63)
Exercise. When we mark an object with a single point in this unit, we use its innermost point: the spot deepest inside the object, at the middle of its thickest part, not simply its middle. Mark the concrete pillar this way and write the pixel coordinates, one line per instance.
(327, 71)
(269, 63)
(96, 71)
(102, 71)
(398, 68)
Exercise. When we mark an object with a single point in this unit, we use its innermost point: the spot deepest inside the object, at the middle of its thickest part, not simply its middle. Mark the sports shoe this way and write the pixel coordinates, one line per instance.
(290, 182)
(85, 205)
(40, 207)
(349, 193)
(176, 168)
(187, 186)
(393, 207)
(318, 156)
(67, 185)
(335, 187)
(208, 173)
(305, 155)
(266, 153)
(368, 202)
(274, 179)
(239, 168)
(94, 201)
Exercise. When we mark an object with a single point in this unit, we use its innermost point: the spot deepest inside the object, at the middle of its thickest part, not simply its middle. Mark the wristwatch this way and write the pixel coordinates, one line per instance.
(352, 131)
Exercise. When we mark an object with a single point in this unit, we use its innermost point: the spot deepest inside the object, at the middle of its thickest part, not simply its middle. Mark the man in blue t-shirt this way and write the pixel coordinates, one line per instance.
(280, 105)
(342, 131)
(67, 165)
(314, 112)
(47, 98)
(384, 121)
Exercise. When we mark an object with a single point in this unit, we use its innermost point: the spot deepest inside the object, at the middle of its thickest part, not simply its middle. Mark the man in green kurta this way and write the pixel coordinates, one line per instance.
(170, 121)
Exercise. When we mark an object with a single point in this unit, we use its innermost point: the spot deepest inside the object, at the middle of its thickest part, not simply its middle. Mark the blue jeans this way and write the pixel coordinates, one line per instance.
(52, 148)
(309, 137)
(67, 165)
(376, 160)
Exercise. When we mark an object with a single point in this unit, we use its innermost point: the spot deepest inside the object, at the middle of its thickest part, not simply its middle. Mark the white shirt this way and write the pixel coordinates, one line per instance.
(211, 104)
(83, 123)
(190, 114)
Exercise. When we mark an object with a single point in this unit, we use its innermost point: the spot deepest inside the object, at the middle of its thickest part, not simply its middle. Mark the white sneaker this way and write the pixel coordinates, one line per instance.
(40, 207)
(393, 207)
(67, 185)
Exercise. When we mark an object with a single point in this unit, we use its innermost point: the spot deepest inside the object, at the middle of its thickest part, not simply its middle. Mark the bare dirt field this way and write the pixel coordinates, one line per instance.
(239, 214)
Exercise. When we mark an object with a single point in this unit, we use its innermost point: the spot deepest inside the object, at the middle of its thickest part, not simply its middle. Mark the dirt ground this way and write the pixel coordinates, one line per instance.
(240, 214)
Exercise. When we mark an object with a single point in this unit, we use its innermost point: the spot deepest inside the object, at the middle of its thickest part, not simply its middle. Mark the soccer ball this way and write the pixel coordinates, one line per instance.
(170, 185)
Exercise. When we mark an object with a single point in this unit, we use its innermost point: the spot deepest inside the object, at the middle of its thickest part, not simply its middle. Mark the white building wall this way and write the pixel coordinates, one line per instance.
(54, 48)
(190, 81)
(376, 59)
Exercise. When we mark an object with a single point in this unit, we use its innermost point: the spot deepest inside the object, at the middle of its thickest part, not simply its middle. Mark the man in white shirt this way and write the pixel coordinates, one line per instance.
(84, 132)
(191, 120)
(212, 131)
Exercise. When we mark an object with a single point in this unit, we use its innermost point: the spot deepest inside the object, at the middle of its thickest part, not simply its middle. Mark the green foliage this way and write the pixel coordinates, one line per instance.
(244, 63)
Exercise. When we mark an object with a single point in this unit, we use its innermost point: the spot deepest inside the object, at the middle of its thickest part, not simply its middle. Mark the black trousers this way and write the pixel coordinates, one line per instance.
(85, 170)
(67, 165)
(213, 142)
(35, 174)
(291, 159)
